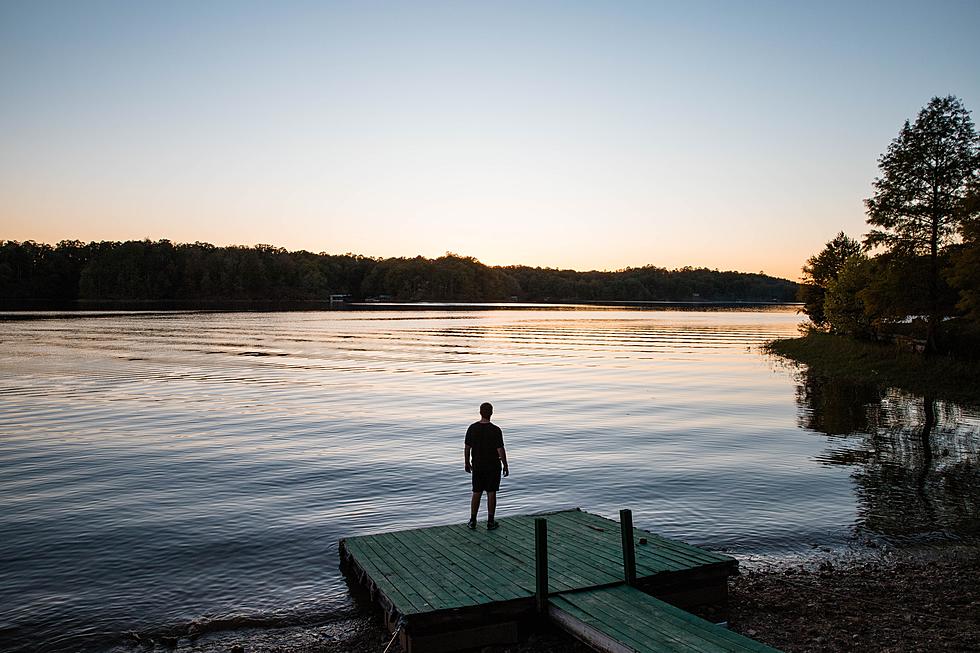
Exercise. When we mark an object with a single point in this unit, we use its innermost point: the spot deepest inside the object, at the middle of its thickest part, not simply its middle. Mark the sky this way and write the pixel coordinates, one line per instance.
(585, 135)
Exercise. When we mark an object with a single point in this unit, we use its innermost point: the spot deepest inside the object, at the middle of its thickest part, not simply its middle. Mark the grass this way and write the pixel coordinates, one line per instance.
(845, 358)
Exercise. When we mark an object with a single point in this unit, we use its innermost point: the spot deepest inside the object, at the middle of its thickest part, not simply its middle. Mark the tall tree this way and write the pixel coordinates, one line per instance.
(918, 199)
(820, 270)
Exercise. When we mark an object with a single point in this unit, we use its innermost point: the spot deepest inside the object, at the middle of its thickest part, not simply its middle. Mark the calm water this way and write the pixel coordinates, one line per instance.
(159, 470)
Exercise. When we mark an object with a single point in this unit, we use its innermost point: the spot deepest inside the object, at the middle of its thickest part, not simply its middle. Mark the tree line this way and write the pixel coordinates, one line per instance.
(917, 271)
(162, 270)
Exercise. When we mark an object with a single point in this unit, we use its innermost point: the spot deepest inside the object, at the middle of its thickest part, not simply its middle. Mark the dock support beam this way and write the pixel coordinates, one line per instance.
(629, 552)
(541, 564)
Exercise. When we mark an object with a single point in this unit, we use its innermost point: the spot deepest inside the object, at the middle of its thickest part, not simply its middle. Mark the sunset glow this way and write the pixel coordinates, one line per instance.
(555, 134)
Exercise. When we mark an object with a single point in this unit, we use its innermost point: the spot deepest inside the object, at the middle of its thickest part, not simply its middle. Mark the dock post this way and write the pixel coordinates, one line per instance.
(541, 563)
(629, 552)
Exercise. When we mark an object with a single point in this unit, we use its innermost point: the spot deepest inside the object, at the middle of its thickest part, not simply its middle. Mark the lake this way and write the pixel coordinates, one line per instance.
(165, 469)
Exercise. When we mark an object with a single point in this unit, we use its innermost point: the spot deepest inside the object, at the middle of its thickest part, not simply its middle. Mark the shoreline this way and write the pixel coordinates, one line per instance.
(901, 601)
(859, 362)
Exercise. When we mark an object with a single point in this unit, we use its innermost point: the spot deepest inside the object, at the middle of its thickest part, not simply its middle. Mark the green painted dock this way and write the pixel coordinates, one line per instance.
(623, 619)
(447, 588)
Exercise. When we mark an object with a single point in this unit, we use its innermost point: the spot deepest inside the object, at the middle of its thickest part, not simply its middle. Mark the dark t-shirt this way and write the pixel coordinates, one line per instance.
(485, 439)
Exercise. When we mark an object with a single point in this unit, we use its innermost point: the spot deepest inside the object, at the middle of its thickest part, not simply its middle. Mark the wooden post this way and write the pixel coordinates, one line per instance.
(541, 563)
(629, 553)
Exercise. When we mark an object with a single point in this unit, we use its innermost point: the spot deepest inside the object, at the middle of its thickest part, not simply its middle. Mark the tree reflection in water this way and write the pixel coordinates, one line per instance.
(916, 459)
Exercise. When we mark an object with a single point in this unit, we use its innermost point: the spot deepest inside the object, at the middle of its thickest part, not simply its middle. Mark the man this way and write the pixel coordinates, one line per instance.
(485, 442)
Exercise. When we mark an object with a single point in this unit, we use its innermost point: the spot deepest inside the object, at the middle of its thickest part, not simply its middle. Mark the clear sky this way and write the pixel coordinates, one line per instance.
(588, 135)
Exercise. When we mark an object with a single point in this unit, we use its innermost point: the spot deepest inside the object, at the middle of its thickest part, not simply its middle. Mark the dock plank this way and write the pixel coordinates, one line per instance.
(473, 564)
(393, 576)
(648, 562)
(649, 625)
(605, 556)
(610, 637)
(384, 578)
(681, 552)
(501, 577)
(638, 623)
(512, 539)
(602, 545)
(650, 559)
(424, 600)
(601, 537)
(695, 554)
(452, 588)
(568, 568)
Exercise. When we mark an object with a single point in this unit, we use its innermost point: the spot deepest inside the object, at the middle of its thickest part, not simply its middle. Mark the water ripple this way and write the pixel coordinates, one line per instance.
(160, 469)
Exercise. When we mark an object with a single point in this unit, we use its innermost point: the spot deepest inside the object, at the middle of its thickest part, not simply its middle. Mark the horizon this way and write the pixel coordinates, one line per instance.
(591, 138)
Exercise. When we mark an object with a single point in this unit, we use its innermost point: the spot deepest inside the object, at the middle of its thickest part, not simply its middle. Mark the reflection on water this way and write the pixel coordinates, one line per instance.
(915, 460)
(163, 469)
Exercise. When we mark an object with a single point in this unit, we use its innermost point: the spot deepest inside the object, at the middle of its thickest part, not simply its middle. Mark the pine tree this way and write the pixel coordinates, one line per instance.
(925, 175)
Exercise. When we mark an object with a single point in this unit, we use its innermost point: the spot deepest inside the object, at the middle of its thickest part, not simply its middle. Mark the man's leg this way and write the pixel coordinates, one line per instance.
(475, 505)
(491, 505)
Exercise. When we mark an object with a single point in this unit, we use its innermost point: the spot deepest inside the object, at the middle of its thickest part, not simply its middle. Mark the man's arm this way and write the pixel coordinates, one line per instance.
(503, 459)
(466, 459)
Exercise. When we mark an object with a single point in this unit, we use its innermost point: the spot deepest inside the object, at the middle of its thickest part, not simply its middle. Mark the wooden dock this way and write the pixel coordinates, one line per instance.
(448, 588)
(622, 619)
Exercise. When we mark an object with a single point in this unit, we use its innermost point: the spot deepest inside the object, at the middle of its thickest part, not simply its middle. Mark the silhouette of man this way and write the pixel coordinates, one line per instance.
(485, 443)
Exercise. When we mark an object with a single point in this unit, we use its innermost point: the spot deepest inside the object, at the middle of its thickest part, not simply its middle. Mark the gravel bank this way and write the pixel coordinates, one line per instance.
(906, 602)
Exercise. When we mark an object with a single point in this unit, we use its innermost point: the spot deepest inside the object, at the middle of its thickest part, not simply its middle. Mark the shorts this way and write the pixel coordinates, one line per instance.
(486, 480)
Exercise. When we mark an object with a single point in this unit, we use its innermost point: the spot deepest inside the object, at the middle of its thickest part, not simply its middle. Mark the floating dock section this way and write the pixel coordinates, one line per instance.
(615, 587)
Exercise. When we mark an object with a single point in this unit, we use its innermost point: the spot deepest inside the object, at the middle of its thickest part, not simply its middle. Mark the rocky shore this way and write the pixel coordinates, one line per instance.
(909, 601)
(903, 602)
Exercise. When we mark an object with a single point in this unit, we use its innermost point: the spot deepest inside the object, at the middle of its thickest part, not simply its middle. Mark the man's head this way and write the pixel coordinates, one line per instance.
(486, 410)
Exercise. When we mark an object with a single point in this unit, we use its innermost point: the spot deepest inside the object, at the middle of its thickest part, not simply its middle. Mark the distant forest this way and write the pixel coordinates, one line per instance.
(162, 270)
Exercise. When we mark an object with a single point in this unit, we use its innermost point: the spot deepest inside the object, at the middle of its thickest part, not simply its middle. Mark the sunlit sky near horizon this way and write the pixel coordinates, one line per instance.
(586, 135)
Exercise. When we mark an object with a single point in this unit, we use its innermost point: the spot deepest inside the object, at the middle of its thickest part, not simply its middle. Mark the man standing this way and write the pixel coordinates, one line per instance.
(485, 442)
